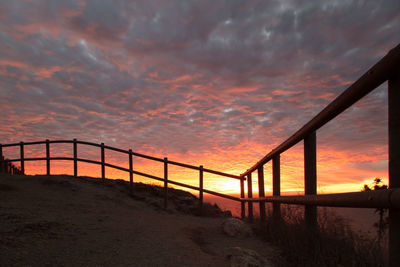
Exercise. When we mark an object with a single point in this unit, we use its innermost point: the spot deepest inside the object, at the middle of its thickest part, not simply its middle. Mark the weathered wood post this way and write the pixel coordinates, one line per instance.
(310, 179)
(130, 171)
(47, 157)
(75, 158)
(103, 167)
(394, 166)
(165, 183)
(1, 159)
(250, 195)
(201, 186)
(261, 191)
(242, 203)
(276, 185)
(21, 145)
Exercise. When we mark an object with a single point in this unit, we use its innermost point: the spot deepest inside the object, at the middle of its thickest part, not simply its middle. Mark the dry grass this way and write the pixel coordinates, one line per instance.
(333, 244)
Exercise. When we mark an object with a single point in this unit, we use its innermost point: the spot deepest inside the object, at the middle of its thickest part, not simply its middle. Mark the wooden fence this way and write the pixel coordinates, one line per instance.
(22, 159)
(387, 69)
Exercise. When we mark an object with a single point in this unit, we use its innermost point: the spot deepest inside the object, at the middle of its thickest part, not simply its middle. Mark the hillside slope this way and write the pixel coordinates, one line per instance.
(67, 221)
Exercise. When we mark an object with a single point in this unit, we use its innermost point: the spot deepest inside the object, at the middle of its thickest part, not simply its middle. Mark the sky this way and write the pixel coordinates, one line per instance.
(213, 83)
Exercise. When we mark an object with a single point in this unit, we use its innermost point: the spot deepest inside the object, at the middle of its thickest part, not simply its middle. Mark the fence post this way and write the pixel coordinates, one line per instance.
(201, 186)
(1, 159)
(130, 171)
(165, 183)
(47, 157)
(242, 203)
(310, 178)
(250, 195)
(75, 158)
(394, 166)
(276, 185)
(261, 191)
(103, 167)
(21, 145)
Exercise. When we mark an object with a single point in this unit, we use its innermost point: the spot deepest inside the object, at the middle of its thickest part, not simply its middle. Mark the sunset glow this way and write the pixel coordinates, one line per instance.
(209, 83)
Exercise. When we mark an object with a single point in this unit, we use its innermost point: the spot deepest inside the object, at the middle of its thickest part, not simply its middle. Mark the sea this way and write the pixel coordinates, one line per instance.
(361, 220)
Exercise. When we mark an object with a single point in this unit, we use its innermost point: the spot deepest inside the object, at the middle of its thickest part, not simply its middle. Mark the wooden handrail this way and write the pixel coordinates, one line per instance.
(375, 76)
(387, 69)
(380, 199)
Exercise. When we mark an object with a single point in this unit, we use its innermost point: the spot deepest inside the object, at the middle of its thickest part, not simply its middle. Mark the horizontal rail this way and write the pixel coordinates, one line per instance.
(61, 141)
(225, 174)
(206, 170)
(61, 158)
(87, 161)
(148, 176)
(116, 167)
(35, 143)
(10, 160)
(116, 149)
(221, 195)
(40, 142)
(184, 185)
(87, 143)
(388, 198)
(34, 159)
(147, 157)
(374, 77)
(30, 159)
(12, 144)
(183, 165)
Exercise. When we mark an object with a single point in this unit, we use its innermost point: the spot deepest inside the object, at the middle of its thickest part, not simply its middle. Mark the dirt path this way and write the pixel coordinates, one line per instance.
(64, 221)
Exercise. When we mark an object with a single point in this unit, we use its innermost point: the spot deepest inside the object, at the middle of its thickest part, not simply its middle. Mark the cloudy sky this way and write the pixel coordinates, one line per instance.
(218, 83)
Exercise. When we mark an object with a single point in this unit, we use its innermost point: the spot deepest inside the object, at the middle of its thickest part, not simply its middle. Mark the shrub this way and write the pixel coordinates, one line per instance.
(334, 243)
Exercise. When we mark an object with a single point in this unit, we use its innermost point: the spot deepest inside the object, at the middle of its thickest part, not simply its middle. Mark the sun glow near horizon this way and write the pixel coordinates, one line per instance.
(340, 179)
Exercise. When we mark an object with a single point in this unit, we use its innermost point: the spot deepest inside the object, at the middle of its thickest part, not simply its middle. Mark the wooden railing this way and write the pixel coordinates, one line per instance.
(387, 69)
(22, 159)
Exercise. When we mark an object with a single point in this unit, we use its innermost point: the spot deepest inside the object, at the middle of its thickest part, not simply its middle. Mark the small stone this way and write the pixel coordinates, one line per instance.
(241, 257)
(236, 227)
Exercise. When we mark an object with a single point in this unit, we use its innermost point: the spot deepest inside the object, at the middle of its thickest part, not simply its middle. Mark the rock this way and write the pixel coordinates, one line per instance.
(236, 227)
(241, 257)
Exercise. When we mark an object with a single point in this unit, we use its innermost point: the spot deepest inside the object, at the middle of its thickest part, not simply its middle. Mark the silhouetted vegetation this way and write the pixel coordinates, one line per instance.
(378, 185)
(9, 167)
(333, 244)
(383, 223)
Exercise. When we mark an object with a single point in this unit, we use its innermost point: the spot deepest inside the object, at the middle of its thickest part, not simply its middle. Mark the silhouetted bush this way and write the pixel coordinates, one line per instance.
(333, 244)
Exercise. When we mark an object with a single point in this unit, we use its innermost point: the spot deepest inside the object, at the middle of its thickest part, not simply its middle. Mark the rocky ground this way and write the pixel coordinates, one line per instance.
(67, 221)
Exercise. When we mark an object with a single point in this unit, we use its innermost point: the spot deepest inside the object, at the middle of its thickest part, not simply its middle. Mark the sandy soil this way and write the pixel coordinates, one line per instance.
(66, 221)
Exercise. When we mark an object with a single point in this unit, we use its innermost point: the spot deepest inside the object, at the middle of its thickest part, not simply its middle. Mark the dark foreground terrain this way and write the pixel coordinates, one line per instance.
(67, 221)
